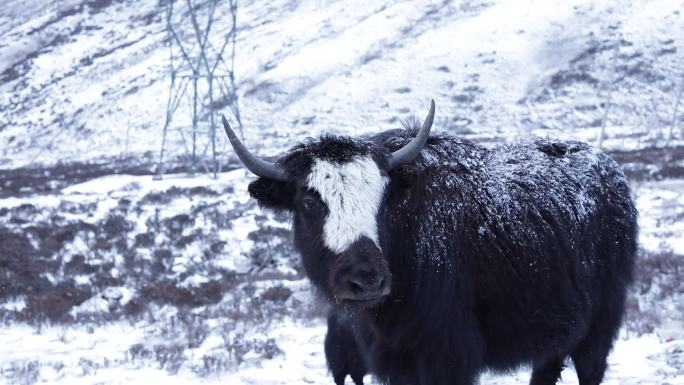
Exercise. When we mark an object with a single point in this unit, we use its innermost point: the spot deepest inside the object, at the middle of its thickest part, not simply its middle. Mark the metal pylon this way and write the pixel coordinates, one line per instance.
(202, 81)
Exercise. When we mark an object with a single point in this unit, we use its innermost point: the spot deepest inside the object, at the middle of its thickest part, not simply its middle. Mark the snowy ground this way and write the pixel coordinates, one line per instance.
(73, 357)
(110, 277)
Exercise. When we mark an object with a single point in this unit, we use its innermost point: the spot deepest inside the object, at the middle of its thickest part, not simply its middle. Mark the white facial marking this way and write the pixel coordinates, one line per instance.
(353, 192)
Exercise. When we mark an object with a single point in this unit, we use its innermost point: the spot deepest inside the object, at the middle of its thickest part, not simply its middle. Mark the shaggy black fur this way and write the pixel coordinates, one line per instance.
(516, 255)
(341, 351)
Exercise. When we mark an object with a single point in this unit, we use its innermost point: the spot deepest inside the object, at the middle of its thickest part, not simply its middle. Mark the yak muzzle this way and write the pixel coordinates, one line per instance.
(361, 276)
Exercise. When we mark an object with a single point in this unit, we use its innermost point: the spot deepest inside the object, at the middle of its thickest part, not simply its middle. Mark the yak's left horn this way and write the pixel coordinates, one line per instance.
(253, 163)
(409, 152)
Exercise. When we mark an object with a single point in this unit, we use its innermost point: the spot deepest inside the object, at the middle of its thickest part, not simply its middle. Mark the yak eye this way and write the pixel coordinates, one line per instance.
(308, 203)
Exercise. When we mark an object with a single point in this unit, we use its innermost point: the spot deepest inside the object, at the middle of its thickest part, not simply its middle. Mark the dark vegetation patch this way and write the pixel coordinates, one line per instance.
(169, 357)
(221, 103)
(31, 180)
(18, 69)
(165, 197)
(168, 292)
(41, 268)
(248, 306)
(243, 312)
(116, 225)
(60, 16)
(25, 181)
(104, 52)
(651, 163)
(36, 264)
(33, 266)
(97, 6)
(276, 294)
(563, 78)
(657, 285)
(267, 349)
(78, 265)
(588, 68)
(21, 372)
(54, 305)
(22, 214)
(143, 240)
(270, 245)
(94, 6)
(21, 269)
(51, 237)
(222, 219)
(177, 224)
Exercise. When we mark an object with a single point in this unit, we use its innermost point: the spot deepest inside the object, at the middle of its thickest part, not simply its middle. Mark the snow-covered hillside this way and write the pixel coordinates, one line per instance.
(108, 276)
(88, 79)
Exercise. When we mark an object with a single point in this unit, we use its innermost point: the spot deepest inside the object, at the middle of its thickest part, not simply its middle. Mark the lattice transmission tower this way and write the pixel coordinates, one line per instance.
(202, 81)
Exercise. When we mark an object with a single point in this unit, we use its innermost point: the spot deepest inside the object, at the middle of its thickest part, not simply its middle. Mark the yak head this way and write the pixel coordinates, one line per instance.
(334, 188)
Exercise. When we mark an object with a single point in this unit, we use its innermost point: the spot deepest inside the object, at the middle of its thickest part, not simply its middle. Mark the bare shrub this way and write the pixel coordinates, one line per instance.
(168, 292)
(271, 244)
(115, 225)
(276, 294)
(139, 352)
(56, 303)
(238, 346)
(657, 281)
(177, 224)
(659, 273)
(194, 328)
(20, 272)
(144, 240)
(214, 364)
(88, 367)
(169, 357)
(21, 373)
(22, 214)
(78, 265)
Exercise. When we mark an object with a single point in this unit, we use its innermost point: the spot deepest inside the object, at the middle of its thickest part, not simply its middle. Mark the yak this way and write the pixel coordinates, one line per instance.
(450, 258)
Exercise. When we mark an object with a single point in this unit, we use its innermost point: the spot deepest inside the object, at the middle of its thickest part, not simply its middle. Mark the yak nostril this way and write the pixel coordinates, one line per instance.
(375, 280)
(366, 283)
(356, 286)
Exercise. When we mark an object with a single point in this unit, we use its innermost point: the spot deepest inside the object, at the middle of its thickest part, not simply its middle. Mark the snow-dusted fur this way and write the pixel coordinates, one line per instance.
(352, 192)
(516, 255)
(341, 350)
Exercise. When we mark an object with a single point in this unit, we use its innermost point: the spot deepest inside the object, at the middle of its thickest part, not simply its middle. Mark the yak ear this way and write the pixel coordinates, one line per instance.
(273, 194)
(404, 176)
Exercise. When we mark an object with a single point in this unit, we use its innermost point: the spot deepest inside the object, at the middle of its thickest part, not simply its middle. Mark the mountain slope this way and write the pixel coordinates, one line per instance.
(89, 79)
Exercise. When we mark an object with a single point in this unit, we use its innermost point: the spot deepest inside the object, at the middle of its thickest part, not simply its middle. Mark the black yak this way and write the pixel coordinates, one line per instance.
(450, 258)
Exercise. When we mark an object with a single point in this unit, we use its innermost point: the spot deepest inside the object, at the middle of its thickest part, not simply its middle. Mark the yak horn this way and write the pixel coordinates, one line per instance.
(410, 151)
(253, 163)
